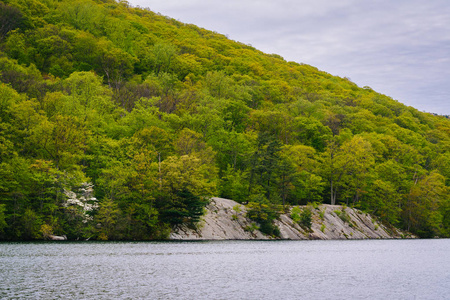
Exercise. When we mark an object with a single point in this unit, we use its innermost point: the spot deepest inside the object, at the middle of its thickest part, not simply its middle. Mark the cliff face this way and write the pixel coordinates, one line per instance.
(223, 222)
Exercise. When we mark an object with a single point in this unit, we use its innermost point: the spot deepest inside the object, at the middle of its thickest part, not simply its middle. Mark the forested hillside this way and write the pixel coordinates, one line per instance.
(156, 116)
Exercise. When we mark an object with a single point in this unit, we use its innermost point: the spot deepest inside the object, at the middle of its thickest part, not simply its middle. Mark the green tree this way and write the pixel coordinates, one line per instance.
(31, 225)
(347, 166)
(187, 185)
(421, 212)
(115, 63)
(265, 215)
(107, 216)
(10, 18)
(3, 224)
(234, 185)
(264, 164)
(63, 141)
(162, 55)
(218, 84)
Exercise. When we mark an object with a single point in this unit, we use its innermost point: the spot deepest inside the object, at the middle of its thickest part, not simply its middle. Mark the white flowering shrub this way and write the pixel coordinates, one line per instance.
(82, 200)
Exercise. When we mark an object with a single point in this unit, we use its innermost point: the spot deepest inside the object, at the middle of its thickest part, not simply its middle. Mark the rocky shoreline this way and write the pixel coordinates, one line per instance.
(329, 222)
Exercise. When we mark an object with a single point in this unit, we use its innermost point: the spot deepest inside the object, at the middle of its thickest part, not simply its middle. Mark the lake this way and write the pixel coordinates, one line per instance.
(362, 269)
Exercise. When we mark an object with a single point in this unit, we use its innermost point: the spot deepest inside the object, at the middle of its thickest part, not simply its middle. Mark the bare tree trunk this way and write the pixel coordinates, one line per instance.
(333, 198)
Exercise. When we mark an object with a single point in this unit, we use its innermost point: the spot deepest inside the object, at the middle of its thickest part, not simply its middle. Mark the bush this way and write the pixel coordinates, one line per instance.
(315, 204)
(342, 214)
(264, 215)
(295, 214)
(252, 227)
(322, 214)
(302, 217)
(306, 218)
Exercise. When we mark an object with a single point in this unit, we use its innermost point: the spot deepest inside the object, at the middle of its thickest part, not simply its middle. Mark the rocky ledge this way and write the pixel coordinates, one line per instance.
(329, 222)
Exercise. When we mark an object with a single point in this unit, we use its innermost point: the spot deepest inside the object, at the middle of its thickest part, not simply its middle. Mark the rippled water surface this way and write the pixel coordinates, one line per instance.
(375, 269)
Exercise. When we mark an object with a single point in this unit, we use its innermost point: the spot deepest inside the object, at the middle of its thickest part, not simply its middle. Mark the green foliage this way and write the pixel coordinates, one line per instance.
(31, 225)
(306, 218)
(252, 227)
(160, 116)
(183, 208)
(234, 186)
(107, 217)
(342, 214)
(322, 214)
(3, 224)
(264, 215)
(303, 217)
(295, 214)
(10, 18)
(237, 209)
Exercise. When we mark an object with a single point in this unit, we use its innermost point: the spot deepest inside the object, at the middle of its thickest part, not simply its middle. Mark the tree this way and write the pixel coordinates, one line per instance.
(31, 224)
(163, 55)
(307, 186)
(187, 185)
(232, 149)
(10, 18)
(234, 185)
(235, 115)
(421, 212)
(115, 63)
(264, 164)
(63, 141)
(157, 139)
(3, 223)
(383, 200)
(144, 177)
(187, 172)
(347, 165)
(276, 123)
(218, 84)
(107, 216)
(335, 122)
(87, 89)
(159, 115)
(189, 142)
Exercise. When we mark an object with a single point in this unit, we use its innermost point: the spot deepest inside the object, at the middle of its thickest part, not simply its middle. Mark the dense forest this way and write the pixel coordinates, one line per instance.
(120, 123)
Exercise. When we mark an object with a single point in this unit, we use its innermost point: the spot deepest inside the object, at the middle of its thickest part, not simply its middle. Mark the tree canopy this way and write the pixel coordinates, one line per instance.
(120, 123)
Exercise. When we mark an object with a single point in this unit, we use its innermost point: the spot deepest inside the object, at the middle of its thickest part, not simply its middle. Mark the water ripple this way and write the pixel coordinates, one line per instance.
(402, 269)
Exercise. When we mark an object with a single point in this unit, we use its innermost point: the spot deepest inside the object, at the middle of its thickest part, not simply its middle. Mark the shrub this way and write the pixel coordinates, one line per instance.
(237, 209)
(314, 204)
(295, 214)
(306, 218)
(264, 215)
(252, 227)
(302, 217)
(322, 214)
(342, 215)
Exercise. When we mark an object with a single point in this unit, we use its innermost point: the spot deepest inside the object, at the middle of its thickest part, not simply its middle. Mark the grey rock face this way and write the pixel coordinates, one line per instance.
(225, 220)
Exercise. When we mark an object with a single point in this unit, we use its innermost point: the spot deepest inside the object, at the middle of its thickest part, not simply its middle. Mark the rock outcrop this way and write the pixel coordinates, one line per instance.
(225, 220)
(52, 237)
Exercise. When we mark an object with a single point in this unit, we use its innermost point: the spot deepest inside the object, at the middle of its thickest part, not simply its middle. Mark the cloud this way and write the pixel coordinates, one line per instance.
(400, 48)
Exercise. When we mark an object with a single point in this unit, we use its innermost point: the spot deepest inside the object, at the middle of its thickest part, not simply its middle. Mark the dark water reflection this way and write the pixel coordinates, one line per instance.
(376, 269)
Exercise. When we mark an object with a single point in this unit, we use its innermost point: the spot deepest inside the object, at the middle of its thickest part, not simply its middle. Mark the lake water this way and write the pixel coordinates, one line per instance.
(366, 269)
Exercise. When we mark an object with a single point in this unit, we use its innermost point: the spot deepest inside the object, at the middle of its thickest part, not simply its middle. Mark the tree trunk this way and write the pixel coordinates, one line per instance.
(333, 197)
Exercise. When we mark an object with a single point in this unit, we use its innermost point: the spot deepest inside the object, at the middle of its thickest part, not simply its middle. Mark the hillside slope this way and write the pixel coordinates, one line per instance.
(157, 116)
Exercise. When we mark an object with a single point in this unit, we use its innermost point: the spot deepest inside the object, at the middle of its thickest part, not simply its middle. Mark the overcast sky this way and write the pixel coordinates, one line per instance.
(399, 48)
